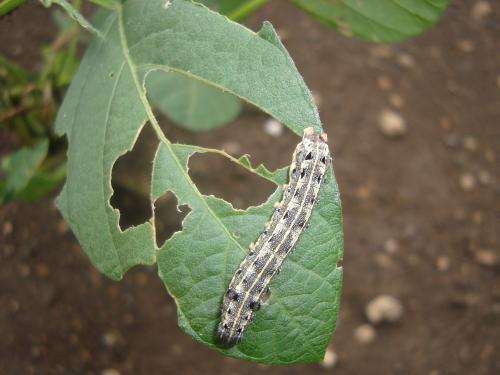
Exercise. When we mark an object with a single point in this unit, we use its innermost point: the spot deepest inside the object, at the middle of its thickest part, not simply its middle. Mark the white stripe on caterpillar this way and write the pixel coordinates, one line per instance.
(250, 283)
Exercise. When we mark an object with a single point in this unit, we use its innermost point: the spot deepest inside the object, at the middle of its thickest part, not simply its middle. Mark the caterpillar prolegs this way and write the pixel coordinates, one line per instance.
(250, 283)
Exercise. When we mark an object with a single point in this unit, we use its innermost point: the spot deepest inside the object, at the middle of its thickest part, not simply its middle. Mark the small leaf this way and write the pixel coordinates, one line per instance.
(190, 103)
(376, 21)
(19, 167)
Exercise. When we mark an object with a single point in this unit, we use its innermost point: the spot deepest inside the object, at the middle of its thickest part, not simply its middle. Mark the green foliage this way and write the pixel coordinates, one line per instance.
(190, 103)
(105, 108)
(28, 103)
(19, 168)
(376, 21)
(7, 6)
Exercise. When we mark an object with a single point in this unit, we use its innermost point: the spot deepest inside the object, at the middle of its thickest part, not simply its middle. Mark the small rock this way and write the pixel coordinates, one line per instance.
(486, 258)
(466, 45)
(283, 33)
(128, 319)
(489, 155)
(391, 245)
(391, 124)
(396, 100)
(467, 182)
(35, 351)
(445, 123)
(406, 60)
(110, 371)
(484, 177)
(459, 214)
(14, 306)
(443, 263)
(435, 52)
(46, 294)
(142, 278)
(480, 10)
(24, 270)
(273, 127)
(176, 349)
(384, 308)
(364, 334)
(477, 217)
(8, 250)
(470, 143)
(382, 51)
(62, 227)
(110, 339)
(363, 192)
(384, 83)
(384, 261)
(7, 228)
(452, 140)
(330, 359)
(42, 270)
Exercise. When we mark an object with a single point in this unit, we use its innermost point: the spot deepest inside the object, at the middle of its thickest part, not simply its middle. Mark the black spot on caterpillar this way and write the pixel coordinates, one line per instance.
(250, 284)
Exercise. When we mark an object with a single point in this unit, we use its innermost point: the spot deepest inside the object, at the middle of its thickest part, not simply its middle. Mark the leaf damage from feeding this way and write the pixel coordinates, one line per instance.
(102, 115)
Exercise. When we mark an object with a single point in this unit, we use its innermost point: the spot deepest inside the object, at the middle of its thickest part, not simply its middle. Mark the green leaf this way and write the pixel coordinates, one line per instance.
(42, 183)
(191, 103)
(19, 167)
(198, 263)
(104, 110)
(377, 21)
(7, 6)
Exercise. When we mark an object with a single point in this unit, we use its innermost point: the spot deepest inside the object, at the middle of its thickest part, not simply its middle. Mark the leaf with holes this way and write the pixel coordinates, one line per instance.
(376, 21)
(102, 114)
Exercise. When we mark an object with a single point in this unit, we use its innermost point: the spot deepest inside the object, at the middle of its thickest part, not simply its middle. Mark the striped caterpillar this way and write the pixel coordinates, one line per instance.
(250, 284)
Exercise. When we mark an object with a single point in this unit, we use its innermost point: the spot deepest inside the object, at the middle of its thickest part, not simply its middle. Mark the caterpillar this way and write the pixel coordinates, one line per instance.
(250, 284)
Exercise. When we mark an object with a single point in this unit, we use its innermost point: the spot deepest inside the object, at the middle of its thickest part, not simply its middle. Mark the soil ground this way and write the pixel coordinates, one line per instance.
(422, 213)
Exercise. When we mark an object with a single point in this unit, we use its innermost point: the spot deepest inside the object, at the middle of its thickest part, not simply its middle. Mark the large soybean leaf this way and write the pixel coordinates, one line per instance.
(376, 21)
(103, 112)
(192, 104)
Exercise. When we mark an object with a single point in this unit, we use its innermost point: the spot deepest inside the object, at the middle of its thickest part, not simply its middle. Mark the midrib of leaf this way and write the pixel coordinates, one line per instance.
(168, 69)
(154, 123)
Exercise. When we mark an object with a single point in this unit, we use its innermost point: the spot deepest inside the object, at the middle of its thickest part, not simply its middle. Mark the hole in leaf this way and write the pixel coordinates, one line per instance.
(216, 175)
(131, 179)
(168, 219)
(245, 135)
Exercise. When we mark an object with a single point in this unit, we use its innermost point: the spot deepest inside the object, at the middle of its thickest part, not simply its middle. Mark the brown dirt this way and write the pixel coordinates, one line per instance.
(59, 316)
